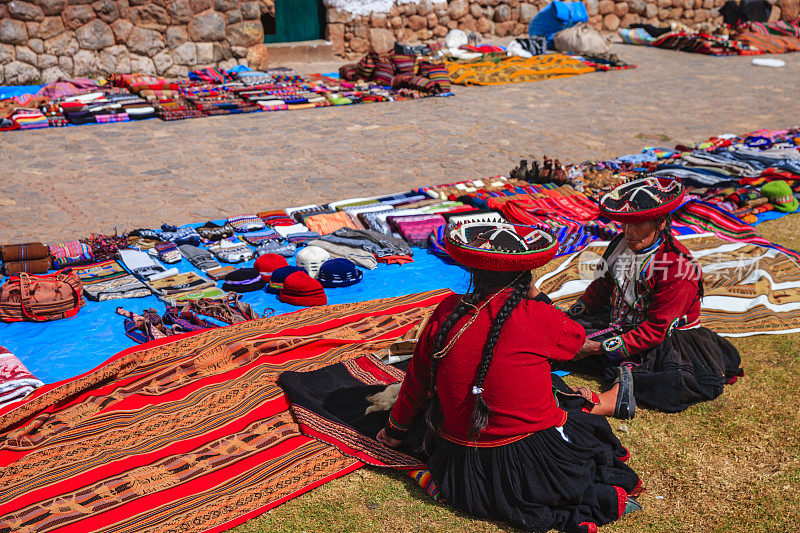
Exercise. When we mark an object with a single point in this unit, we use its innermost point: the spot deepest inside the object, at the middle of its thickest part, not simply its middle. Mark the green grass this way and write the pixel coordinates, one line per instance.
(728, 465)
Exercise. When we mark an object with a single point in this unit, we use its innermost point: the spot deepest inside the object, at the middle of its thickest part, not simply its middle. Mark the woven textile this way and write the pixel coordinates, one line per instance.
(502, 70)
(189, 433)
(749, 289)
(107, 280)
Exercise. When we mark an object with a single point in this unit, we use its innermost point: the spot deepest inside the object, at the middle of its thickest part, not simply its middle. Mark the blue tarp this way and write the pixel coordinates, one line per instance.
(65, 348)
(9, 91)
(555, 17)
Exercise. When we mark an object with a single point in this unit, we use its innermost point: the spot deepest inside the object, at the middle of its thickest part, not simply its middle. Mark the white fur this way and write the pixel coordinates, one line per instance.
(384, 400)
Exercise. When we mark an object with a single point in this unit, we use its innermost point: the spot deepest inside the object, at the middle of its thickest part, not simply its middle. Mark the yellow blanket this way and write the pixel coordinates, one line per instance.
(504, 70)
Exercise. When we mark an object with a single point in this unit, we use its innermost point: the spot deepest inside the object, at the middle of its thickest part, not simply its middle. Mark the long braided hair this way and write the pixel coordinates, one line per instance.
(484, 284)
(669, 241)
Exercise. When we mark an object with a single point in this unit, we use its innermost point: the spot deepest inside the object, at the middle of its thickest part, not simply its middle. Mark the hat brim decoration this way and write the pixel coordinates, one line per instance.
(499, 246)
(788, 207)
(642, 200)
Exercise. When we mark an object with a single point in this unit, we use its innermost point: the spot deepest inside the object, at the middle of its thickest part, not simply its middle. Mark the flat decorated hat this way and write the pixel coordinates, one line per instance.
(499, 246)
(643, 199)
(780, 195)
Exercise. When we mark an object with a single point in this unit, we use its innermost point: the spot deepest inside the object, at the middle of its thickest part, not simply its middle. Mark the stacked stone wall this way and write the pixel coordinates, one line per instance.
(44, 40)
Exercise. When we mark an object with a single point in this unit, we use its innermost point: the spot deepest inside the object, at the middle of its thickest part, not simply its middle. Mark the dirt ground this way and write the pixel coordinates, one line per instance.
(65, 183)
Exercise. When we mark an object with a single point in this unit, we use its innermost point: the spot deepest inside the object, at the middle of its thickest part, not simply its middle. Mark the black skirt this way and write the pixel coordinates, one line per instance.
(689, 367)
(541, 482)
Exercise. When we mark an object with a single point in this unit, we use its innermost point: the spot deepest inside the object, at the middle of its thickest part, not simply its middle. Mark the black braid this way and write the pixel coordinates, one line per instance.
(480, 411)
(482, 284)
(670, 242)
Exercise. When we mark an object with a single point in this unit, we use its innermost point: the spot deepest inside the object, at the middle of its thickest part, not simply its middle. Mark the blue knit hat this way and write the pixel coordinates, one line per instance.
(279, 276)
(339, 272)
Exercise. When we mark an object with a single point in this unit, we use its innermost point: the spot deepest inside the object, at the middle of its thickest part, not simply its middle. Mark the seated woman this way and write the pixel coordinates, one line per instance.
(642, 313)
(508, 440)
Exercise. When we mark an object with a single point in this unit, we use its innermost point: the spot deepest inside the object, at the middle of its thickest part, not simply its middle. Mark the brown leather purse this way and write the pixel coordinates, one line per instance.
(33, 298)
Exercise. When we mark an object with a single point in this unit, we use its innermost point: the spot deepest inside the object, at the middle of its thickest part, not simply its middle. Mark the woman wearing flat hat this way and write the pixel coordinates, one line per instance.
(645, 309)
(508, 440)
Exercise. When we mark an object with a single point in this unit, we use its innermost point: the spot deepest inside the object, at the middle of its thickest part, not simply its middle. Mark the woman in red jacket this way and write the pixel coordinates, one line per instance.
(642, 313)
(508, 440)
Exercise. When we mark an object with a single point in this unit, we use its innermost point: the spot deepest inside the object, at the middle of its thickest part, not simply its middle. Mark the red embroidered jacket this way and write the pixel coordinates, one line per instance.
(669, 297)
(517, 388)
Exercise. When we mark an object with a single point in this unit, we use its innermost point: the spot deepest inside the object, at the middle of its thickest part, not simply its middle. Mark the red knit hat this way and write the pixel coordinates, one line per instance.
(303, 290)
(499, 246)
(269, 263)
(643, 199)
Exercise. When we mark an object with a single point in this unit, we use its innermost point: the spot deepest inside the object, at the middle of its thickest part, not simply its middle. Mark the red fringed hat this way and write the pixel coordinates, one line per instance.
(642, 199)
(499, 246)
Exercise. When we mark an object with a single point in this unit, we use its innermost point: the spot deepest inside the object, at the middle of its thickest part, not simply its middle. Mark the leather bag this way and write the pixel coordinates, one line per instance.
(39, 298)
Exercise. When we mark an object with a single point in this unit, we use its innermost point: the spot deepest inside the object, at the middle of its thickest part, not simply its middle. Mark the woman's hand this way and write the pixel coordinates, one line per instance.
(386, 440)
(589, 347)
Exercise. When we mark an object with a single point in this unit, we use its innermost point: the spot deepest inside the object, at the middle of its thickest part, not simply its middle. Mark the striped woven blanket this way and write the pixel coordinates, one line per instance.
(188, 433)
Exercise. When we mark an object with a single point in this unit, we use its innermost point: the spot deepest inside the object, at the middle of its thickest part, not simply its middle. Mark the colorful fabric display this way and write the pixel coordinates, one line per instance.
(245, 223)
(219, 273)
(107, 280)
(70, 253)
(231, 251)
(167, 252)
(371, 241)
(181, 283)
(275, 218)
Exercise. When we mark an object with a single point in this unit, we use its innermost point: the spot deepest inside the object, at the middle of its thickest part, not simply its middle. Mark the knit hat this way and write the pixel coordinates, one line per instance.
(499, 247)
(643, 199)
(243, 280)
(311, 258)
(279, 277)
(339, 272)
(268, 263)
(780, 194)
(303, 290)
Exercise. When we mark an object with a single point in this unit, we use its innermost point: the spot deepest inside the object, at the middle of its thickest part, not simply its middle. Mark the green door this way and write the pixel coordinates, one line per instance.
(295, 20)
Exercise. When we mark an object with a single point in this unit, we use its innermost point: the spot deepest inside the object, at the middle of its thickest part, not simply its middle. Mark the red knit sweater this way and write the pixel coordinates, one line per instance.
(518, 387)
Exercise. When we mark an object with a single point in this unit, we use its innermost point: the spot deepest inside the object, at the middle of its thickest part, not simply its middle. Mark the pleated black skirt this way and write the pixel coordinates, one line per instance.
(541, 482)
(689, 367)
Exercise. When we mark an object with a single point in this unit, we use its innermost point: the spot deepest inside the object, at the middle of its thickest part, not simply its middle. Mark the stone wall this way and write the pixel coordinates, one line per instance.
(44, 40)
(425, 20)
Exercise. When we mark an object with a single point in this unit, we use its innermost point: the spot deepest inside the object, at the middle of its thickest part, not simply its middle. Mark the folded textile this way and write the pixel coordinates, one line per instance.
(167, 252)
(328, 222)
(257, 237)
(302, 237)
(416, 228)
(34, 266)
(24, 252)
(214, 232)
(200, 258)
(245, 223)
(277, 217)
(356, 255)
(107, 280)
(286, 249)
(178, 235)
(371, 241)
(70, 253)
(230, 251)
(141, 264)
(181, 282)
(285, 230)
(219, 272)
(16, 381)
